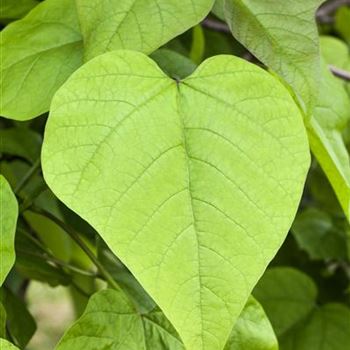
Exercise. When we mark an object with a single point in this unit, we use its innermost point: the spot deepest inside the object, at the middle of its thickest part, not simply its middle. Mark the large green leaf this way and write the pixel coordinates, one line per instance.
(162, 170)
(110, 321)
(8, 221)
(5, 345)
(39, 53)
(289, 299)
(252, 330)
(140, 25)
(331, 116)
(283, 35)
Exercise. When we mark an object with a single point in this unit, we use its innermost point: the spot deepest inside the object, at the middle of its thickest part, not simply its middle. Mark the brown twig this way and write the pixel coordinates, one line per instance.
(216, 26)
(326, 11)
(340, 73)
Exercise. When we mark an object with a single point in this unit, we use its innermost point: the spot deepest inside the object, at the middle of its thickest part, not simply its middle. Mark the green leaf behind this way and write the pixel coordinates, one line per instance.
(20, 328)
(283, 35)
(325, 129)
(39, 52)
(140, 25)
(289, 299)
(110, 321)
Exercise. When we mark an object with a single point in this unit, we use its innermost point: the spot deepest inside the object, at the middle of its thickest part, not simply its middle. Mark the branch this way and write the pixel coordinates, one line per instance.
(76, 237)
(326, 11)
(340, 73)
(26, 178)
(216, 26)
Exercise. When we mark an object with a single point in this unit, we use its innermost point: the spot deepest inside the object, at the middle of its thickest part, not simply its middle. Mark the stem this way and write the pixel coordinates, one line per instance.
(340, 73)
(50, 257)
(326, 11)
(25, 179)
(29, 200)
(80, 290)
(60, 263)
(76, 237)
(71, 267)
(36, 241)
(216, 25)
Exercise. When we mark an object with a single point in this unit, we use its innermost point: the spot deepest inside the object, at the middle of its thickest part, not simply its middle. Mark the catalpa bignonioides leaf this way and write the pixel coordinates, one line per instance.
(283, 35)
(325, 129)
(192, 184)
(140, 25)
(40, 51)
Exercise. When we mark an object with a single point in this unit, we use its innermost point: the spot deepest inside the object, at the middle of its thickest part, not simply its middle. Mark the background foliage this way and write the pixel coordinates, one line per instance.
(154, 180)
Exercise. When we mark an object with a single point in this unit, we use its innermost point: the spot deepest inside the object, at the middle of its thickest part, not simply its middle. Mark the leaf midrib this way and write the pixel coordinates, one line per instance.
(188, 160)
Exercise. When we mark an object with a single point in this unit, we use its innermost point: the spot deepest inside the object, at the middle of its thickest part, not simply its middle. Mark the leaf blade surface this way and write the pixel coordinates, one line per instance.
(183, 181)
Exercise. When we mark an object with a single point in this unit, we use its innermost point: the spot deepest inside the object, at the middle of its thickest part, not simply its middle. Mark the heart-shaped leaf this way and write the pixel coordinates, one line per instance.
(8, 221)
(192, 184)
(141, 25)
(283, 35)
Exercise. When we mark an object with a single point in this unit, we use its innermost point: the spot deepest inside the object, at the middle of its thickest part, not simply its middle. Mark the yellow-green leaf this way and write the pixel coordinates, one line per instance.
(140, 25)
(330, 118)
(38, 53)
(163, 170)
(6, 345)
(283, 35)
